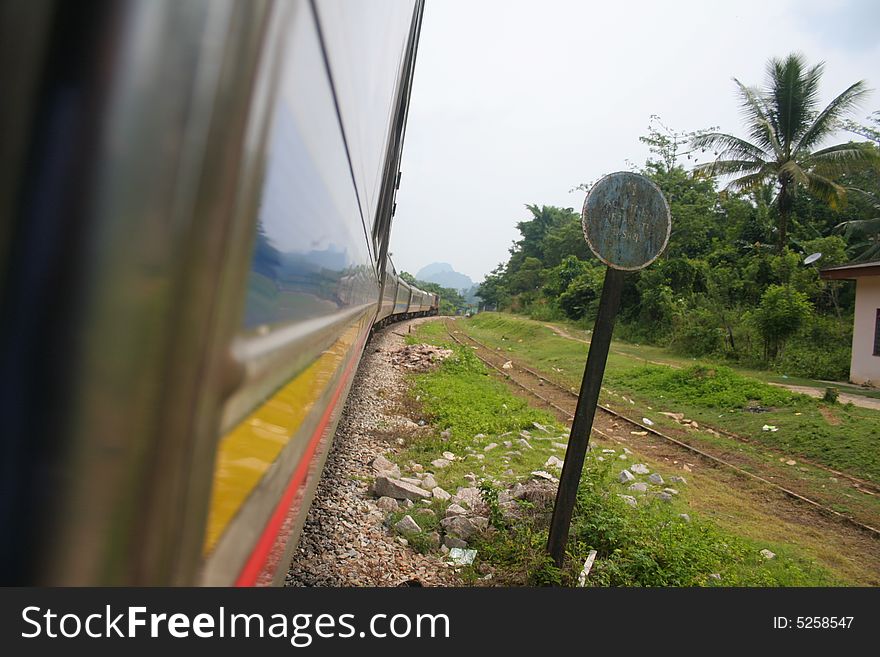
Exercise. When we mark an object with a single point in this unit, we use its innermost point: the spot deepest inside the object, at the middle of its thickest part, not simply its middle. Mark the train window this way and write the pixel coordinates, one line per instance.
(311, 257)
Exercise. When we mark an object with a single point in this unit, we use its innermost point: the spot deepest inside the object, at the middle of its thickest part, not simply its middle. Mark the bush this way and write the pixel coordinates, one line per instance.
(781, 313)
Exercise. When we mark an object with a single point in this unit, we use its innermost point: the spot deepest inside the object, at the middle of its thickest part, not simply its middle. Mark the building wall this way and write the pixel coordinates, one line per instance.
(865, 365)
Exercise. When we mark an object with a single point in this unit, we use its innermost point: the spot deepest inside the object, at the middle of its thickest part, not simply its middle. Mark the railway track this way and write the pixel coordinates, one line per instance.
(461, 338)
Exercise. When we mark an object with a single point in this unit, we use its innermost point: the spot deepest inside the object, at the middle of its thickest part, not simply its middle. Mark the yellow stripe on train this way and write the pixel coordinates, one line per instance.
(247, 451)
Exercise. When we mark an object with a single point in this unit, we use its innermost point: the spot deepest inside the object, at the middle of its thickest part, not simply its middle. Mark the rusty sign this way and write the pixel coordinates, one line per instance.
(626, 221)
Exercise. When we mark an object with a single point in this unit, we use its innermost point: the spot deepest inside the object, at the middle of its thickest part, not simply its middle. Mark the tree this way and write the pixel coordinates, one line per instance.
(782, 311)
(785, 127)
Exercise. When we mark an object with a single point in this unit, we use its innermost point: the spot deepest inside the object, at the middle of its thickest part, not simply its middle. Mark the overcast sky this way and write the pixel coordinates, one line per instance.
(518, 102)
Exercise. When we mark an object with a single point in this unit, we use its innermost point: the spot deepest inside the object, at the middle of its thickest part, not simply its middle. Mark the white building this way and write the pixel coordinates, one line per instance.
(865, 364)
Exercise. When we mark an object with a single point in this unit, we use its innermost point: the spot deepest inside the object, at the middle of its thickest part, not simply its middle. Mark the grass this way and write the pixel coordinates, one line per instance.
(843, 437)
(646, 545)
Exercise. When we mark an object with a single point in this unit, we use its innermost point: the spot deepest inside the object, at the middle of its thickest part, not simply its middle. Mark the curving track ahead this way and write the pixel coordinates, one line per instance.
(522, 377)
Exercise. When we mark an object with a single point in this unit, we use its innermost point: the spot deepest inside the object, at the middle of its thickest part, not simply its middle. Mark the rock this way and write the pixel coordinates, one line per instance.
(440, 494)
(665, 497)
(387, 504)
(385, 467)
(767, 554)
(490, 447)
(428, 513)
(639, 487)
(560, 445)
(422, 423)
(398, 489)
(524, 443)
(507, 444)
(433, 540)
(416, 467)
(639, 433)
(678, 417)
(464, 527)
(623, 457)
(671, 491)
(639, 468)
(715, 575)
(451, 542)
(402, 541)
(407, 525)
(449, 456)
(625, 476)
(629, 499)
(525, 434)
(609, 451)
(684, 517)
(428, 482)
(507, 366)
(655, 479)
(440, 463)
(553, 462)
(455, 510)
(412, 480)
(541, 427)
(675, 479)
(479, 436)
(408, 504)
(541, 474)
(470, 496)
(446, 434)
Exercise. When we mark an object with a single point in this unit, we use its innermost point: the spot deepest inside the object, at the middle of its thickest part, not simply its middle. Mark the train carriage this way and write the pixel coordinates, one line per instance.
(199, 198)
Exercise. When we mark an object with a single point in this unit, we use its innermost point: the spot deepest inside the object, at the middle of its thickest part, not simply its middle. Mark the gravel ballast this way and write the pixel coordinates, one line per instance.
(344, 540)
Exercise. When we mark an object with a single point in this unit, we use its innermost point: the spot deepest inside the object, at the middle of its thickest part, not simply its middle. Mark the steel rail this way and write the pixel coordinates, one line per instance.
(875, 533)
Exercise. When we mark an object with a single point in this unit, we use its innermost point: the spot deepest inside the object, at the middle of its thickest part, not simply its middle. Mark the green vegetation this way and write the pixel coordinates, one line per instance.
(732, 283)
(646, 545)
(708, 393)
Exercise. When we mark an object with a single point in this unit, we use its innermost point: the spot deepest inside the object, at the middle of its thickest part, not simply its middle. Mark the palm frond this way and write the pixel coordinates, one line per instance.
(794, 92)
(825, 189)
(751, 182)
(843, 158)
(794, 171)
(825, 123)
(755, 113)
(729, 167)
(728, 146)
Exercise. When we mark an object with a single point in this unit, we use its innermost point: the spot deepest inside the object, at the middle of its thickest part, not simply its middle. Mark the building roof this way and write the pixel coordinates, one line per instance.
(852, 270)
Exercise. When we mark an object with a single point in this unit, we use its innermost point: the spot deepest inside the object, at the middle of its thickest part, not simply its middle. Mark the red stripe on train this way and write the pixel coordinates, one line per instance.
(257, 559)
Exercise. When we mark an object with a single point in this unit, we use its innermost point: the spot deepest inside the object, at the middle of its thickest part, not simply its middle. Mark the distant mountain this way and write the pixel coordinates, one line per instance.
(443, 274)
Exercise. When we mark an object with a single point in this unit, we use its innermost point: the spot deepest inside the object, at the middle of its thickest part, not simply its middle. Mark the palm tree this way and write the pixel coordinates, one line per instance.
(784, 126)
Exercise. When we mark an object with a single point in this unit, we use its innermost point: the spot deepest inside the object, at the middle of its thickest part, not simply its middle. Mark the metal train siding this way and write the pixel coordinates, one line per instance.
(199, 197)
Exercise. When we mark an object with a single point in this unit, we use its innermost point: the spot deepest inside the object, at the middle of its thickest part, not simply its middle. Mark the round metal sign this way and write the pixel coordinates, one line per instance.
(626, 221)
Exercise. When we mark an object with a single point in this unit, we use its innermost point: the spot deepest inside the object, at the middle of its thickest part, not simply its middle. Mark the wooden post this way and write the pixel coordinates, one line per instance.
(579, 440)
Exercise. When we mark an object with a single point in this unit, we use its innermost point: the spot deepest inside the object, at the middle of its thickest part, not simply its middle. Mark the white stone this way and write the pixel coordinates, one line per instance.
(625, 476)
(629, 499)
(440, 494)
(399, 490)
(407, 525)
(655, 479)
(639, 468)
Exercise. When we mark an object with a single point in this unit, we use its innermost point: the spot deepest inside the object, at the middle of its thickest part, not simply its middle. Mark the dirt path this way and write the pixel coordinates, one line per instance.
(562, 333)
(845, 397)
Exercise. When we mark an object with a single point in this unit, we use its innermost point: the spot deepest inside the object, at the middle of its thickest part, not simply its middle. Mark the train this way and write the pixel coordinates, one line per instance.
(198, 199)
